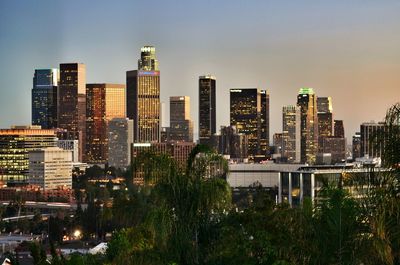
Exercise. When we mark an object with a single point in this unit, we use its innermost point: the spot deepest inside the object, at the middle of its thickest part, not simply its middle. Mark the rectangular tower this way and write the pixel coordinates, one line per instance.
(291, 133)
(103, 103)
(207, 108)
(120, 139)
(307, 102)
(44, 98)
(71, 114)
(181, 125)
(143, 97)
(249, 114)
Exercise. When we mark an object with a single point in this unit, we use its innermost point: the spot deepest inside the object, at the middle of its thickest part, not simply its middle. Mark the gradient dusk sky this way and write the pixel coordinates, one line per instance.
(349, 50)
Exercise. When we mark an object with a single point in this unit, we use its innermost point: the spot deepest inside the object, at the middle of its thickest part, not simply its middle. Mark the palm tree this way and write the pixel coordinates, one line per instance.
(185, 203)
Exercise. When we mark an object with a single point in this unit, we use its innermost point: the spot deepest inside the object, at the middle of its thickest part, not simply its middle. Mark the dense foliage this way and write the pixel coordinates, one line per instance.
(186, 217)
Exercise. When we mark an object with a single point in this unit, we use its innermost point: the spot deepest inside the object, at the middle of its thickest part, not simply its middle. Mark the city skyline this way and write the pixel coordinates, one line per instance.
(279, 47)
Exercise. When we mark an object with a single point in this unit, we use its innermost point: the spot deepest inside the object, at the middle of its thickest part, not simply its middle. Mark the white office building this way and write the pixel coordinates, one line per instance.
(50, 168)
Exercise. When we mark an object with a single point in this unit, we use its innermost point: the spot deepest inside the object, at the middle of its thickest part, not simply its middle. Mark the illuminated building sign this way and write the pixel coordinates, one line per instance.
(141, 144)
(149, 73)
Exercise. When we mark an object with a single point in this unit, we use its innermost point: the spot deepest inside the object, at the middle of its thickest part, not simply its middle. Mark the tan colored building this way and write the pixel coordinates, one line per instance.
(181, 125)
(104, 102)
(50, 168)
(143, 97)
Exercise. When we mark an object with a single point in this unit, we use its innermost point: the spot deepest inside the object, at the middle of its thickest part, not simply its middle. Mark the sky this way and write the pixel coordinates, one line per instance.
(349, 50)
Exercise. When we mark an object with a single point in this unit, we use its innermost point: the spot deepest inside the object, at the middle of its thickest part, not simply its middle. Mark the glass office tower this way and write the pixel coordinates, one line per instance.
(44, 98)
(207, 108)
(307, 101)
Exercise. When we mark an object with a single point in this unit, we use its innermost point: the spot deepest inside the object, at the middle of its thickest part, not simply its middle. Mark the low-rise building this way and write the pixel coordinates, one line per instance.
(50, 168)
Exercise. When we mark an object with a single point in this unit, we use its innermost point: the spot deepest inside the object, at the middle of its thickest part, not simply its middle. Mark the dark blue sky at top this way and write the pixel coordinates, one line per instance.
(345, 49)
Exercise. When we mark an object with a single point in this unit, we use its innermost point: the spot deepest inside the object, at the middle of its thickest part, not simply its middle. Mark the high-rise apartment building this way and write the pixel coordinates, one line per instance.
(15, 144)
(103, 103)
(50, 168)
(120, 139)
(44, 98)
(143, 97)
(307, 102)
(71, 112)
(291, 133)
(249, 113)
(181, 125)
(207, 108)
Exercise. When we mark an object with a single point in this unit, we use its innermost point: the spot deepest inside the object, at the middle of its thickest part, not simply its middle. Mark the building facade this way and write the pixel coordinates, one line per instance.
(143, 97)
(44, 98)
(103, 103)
(368, 132)
(120, 139)
(338, 128)
(71, 111)
(231, 143)
(291, 133)
(356, 146)
(249, 113)
(181, 125)
(307, 102)
(50, 168)
(15, 144)
(207, 108)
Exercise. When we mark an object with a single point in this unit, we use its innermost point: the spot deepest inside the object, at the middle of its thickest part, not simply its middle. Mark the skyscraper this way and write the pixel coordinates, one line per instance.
(307, 102)
(264, 122)
(325, 116)
(44, 98)
(356, 146)
(338, 128)
(249, 113)
(369, 131)
(324, 105)
(143, 97)
(120, 133)
(181, 125)
(231, 143)
(291, 133)
(207, 108)
(103, 103)
(71, 113)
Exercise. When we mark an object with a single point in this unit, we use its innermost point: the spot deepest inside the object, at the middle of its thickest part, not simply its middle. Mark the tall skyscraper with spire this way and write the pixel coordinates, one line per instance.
(143, 97)
(307, 101)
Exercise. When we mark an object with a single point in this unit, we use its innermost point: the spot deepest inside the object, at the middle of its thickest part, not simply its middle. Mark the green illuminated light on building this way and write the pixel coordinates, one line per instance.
(306, 90)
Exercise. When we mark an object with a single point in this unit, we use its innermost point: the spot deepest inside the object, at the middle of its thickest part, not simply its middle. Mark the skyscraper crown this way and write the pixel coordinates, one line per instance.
(148, 61)
(306, 90)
